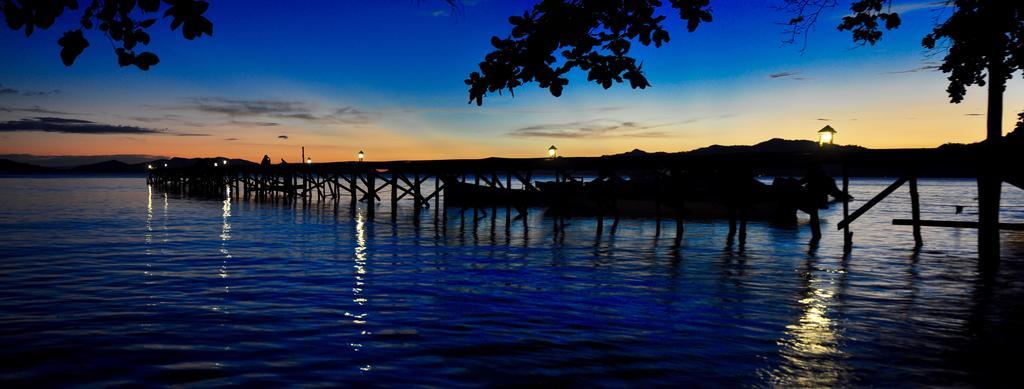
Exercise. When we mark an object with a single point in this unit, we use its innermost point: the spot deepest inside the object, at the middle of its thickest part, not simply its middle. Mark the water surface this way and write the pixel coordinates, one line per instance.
(106, 281)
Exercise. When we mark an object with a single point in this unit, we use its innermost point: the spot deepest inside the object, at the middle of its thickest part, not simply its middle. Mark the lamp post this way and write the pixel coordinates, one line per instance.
(553, 152)
(309, 160)
(361, 155)
(224, 162)
(826, 136)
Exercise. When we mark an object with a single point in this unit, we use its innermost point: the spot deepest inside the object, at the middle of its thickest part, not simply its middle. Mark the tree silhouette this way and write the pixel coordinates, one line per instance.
(983, 42)
(124, 22)
(594, 36)
(984, 46)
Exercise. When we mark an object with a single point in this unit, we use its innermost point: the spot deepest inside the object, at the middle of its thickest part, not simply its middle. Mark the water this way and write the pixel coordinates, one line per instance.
(103, 281)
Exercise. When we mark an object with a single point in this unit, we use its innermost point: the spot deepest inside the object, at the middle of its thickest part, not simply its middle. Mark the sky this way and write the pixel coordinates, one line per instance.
(387, 77)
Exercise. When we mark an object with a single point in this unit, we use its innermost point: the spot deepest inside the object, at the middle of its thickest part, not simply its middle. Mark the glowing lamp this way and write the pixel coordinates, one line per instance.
(165, 165)
(361, 155)
(826, 136)
(309, 160)
(214, 164)
(224, 162)
(150, 167)
(552, 151)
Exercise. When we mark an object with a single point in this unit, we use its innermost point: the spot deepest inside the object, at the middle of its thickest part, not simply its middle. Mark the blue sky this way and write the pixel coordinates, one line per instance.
(386, 76)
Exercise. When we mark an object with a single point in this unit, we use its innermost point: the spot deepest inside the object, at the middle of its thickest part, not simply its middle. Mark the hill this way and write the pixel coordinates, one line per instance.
(11, 167)
(774, 145)
(109, 167)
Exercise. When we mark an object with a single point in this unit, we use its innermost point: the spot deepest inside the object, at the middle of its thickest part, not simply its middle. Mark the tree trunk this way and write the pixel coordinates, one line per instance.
(990, 177)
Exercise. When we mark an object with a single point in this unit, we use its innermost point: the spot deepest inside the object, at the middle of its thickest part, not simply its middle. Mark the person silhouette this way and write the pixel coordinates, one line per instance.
(266, 161)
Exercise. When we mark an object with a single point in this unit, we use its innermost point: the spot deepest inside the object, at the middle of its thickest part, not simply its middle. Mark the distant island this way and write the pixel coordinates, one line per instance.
(949, 160)
(109, 167)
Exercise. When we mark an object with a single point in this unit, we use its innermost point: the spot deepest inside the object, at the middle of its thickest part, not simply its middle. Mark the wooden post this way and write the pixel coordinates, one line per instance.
(743, 225)
(353, 185)
(495, 183)
(437, 197)
(657, 207)
(815, 224)
(371, 194)
(915, 210)
(416, 199)
(476, 182)
(444, 210)
(394, 196)
(508, 207)
(847, 235)
(680, 203)
(615, 203)
(732, 220)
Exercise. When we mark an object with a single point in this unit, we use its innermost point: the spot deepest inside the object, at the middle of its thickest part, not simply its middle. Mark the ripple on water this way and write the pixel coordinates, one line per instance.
(103, 281)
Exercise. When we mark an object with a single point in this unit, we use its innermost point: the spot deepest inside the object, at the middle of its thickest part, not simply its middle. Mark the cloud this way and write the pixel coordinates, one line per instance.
(237, 109)
(254, 124)
(191, 134)
(703, 118)
(924, 68)
(178, 120)
(598, 128)
(974, 114)
(904, 8)
(35, 109)
(352, 115)
(788, 75)
(71, 126)
(282, 137)
(824, 119)
(40, 93)
(230, 139)
(12, 91)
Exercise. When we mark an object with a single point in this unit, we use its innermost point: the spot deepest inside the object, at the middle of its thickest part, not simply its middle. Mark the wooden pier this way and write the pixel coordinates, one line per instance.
(424, 183)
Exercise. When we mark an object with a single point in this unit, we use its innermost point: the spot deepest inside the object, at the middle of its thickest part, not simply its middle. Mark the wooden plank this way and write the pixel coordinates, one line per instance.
(915, 212)
(871, 203)
(435, 194)
(956, 224)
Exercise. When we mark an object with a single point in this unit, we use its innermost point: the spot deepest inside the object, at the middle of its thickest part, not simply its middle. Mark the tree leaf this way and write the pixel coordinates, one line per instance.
(149, 5)
(72, 44)
(145, 60)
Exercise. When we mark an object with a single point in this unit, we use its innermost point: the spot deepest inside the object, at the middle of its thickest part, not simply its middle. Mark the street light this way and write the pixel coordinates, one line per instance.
(552, 151)
(361, 155)
(224, 162)
(309, 160)
(826, 135)
(165, 165)
(150, 167)
(214, 164)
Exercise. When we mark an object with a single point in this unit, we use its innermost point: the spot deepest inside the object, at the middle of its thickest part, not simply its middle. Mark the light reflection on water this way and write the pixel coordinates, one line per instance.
(810, 347)
(359, 318)
(96, 285)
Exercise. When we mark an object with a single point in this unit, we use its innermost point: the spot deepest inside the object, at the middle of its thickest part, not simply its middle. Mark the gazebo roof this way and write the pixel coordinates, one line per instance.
(827, 129)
